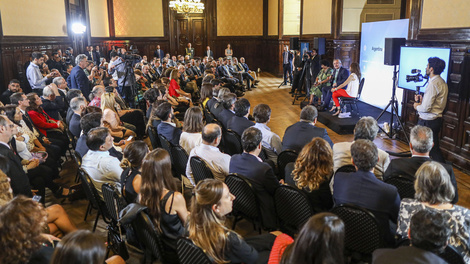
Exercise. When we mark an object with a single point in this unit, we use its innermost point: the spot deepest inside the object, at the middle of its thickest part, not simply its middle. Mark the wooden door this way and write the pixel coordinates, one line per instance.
(190, 30)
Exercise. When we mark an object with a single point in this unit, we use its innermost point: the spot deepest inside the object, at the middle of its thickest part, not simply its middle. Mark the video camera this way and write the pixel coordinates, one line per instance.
(418, 77)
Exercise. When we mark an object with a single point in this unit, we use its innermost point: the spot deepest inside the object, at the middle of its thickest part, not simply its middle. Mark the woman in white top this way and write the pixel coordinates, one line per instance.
(351, 91)
(192, 128)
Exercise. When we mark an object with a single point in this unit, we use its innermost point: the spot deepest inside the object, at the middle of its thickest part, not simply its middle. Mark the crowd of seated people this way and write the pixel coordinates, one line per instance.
(109, 133)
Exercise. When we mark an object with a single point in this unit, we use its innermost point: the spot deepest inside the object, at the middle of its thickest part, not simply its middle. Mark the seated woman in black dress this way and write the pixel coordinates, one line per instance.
(131, 162)
(210, 204)
(312, 173)
(166, 206)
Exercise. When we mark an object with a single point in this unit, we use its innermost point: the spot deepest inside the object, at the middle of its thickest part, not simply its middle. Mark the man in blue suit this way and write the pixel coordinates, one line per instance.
(258, 172)
(159, 54)
(340, 75)
(240, 121)
(287, 58)
(363, 189)
(77, 78)
(301, 133)
(167, 128)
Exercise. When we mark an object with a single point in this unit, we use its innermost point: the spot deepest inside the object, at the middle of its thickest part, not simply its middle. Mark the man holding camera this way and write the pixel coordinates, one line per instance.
(34, 75)
(125, 81)
(431, 105)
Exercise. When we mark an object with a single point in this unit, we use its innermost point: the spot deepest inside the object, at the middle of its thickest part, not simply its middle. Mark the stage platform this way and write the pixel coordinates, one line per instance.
(346, 125)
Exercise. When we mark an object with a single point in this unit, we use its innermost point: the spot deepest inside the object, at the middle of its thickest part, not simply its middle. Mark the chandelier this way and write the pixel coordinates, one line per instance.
(187, 6)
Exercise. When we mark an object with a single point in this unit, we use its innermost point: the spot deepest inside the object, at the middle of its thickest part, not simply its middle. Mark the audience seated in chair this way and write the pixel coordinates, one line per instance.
(210, 204)
(363, 189)
(429, 234)
(166, 206)
(259, 173)
(421, 142)
(321, 240)
(240, 122)
(271, 141)
(302, 132)
(98, 163)
(312, 173)
(434, 191)
(131, 164)
(78, 104)
(217, 161)
(228, 102)
(167, 128)
(366, 128)
(192, 129)
(52, 102)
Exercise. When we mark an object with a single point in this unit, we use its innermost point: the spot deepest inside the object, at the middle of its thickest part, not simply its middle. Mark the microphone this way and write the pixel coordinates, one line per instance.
(415, 71)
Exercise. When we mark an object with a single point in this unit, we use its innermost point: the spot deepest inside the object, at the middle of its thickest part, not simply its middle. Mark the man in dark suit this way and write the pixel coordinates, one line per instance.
(215, 93)
(421, 142)
(429, 233)
(87, 122)
(340, 75)
(287, 58)
(301, 133)
(89, 53)
(52, 102)
(159, 54)
(209, 53)
(240, 121)
(97, 56)
(363, 189)
(77, 78)
(78, 104)
(13, 87)
(228, 102)
(18, 179)
(167, 128)
(258, 172)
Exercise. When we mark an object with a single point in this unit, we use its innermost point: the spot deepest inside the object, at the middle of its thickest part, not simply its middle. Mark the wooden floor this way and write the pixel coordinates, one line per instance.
(283, 115)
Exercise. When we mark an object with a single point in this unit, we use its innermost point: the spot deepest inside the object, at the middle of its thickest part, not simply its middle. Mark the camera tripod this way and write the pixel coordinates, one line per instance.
(393, 104)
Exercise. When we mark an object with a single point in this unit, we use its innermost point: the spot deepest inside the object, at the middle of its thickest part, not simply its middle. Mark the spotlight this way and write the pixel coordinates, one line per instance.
(78, 28)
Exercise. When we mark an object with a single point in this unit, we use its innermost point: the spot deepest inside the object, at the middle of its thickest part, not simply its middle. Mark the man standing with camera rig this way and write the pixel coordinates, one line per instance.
(125, 75)
(431, 105)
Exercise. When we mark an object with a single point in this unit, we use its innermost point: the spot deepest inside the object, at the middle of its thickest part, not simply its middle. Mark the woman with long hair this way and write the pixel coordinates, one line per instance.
(192, 129)
(82, 247)
(166, 206)
(210, 204)
(175, 89)
(434, 190)
(320, 241)
(131, 163)
(312, 173)
(112, 120)
(353, 87)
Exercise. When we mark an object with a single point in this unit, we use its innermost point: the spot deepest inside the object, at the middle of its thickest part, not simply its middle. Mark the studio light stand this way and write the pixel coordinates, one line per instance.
(393, 104)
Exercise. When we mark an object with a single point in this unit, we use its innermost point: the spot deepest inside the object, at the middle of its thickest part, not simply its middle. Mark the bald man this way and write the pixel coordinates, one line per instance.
(218, 162)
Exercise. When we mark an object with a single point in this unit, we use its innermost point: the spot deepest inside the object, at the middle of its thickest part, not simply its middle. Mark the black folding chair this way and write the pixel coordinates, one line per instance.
(262, 155)
(352, 100)
(285, 157)
(232, 142)
(165, 144)
(78, 160)
(346, 168)
(148, 236)
(209, 116)
(188, 253)
(451, 255)
(114, 204)
(94, 199)
(180, 160)
(293, 208)
(363, 233)
(245, 204)
(405, 185)
(200, 169)
(153, 136)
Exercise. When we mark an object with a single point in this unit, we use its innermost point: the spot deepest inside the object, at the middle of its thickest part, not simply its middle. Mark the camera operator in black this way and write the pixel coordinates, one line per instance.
(298, 66)
(311, 69)
(125, 75)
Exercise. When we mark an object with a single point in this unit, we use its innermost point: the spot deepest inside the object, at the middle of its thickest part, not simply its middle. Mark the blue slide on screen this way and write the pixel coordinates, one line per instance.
(416, 58)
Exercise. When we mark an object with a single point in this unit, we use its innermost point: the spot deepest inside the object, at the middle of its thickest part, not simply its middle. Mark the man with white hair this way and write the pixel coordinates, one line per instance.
(63, 89)
(52, 101)
(77, 78)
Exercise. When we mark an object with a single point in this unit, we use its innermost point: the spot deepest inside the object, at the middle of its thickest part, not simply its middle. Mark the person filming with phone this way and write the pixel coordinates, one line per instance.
(431, 105)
